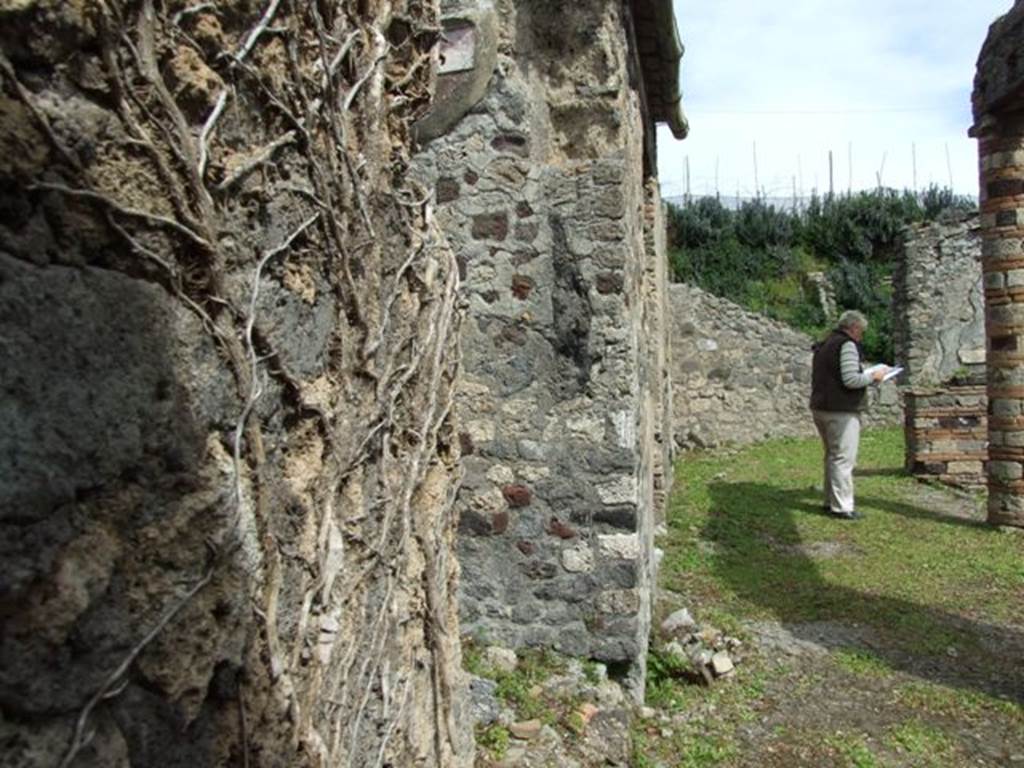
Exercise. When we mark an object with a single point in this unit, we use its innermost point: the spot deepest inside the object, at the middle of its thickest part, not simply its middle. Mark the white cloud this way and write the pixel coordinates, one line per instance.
(806, 76)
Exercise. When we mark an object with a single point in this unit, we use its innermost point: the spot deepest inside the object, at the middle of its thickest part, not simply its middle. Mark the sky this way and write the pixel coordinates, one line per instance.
(863, 78)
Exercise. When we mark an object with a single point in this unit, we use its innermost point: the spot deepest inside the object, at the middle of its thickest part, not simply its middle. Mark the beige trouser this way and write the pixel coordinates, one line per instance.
(840, 434)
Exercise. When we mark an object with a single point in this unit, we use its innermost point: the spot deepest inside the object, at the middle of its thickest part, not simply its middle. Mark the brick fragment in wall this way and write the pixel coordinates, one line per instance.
(517, 495)
(528, 548)
(537, 570)
(526, 232)
(490, 226)
(522, 286)
(1006, 218)
(560, 529)
(609, 282)
(499, 522)
(1005, 188)
(446, 190)
(513, 143)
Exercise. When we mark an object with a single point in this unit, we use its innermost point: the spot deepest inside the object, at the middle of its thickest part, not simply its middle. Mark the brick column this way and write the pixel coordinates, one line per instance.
(1001, 148)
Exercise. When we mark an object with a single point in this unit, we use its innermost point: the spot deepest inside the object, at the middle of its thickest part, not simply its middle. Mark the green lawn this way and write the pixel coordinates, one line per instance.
(922, 605)
(748, 536)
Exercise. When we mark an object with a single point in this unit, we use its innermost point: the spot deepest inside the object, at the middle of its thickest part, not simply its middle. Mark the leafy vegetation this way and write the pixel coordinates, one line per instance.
(928, 743)
(759, 256)
(523, 691)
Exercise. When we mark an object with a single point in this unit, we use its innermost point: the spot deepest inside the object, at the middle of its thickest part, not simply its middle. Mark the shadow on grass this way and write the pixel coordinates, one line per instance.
(884, 472)
(759, 554)
(917, 513)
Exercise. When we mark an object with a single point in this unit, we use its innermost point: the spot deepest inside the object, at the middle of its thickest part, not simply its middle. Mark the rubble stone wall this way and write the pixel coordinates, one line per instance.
(541, 191)
(226, 448)
(739, 377)
(938, 301)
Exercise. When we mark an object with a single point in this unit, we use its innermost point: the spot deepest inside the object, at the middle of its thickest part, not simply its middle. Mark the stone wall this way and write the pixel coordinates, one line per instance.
(541, 191)
(947, 434)
(739, 377)
(229, 350)
(657, 336)
(938, 301)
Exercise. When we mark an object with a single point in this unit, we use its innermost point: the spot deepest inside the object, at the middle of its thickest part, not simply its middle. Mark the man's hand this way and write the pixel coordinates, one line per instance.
(880, 373)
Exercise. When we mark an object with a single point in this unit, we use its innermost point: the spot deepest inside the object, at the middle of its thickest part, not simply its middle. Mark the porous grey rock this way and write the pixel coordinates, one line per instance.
(578, 559)
(501, 659)
(483, 701)
(624, 546)
(679, 623)
(673, 647)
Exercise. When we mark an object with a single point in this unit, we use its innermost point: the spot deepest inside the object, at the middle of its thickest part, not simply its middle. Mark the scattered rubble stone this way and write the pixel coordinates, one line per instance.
(678, 623)
(501, 659)
(483, 701)
(722, 664)
(526, 730)
(673, 647)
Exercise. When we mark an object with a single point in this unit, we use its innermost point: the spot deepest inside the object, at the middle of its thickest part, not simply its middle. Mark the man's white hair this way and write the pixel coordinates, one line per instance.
(852, 318)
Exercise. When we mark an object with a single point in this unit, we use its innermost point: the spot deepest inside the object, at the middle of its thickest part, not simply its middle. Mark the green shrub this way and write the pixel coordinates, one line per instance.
(759, 255)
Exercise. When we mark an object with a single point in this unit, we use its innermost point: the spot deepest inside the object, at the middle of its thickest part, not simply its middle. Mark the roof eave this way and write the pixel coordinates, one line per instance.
(672, 51)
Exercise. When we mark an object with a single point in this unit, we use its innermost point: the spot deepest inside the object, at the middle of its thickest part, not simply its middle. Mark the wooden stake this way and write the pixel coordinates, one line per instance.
(949, 167)
(757, 183)
(688, 198)
(831, 177)
(913, 158)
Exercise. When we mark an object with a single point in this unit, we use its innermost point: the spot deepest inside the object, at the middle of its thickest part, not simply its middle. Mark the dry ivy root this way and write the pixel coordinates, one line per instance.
(250, 160)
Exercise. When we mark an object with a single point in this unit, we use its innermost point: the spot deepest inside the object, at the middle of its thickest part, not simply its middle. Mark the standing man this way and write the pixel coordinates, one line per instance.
(838, 395)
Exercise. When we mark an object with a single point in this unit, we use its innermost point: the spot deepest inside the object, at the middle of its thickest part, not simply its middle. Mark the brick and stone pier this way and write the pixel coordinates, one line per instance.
(998, 103)
(946, 433)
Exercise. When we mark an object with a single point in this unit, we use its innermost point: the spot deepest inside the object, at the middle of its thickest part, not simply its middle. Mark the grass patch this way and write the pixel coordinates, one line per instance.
(928, 745)
(853, 751)
(861, 663)
(494, 739)
(951, 702)
(689, 747)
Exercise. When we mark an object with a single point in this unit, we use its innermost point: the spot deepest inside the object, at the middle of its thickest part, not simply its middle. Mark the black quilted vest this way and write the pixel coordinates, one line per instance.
(827, 390)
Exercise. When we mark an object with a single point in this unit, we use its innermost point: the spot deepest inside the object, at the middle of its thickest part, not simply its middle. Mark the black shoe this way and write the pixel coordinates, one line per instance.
(851, 515)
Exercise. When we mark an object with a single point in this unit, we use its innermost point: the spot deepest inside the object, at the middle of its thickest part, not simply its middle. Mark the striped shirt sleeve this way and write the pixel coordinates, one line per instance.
(849, 367)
